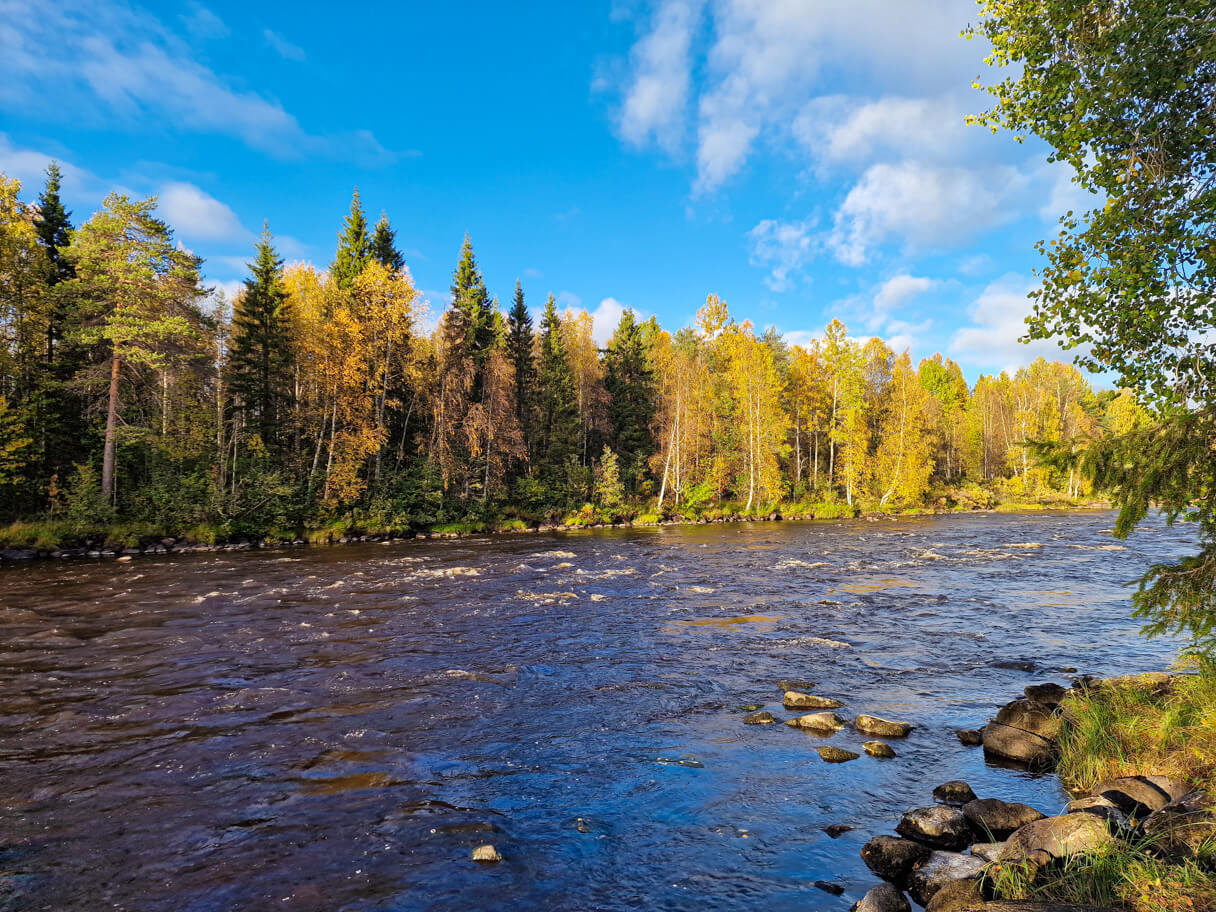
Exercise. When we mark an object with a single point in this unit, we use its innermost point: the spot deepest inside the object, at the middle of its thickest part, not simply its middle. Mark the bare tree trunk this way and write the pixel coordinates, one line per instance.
(107, 457)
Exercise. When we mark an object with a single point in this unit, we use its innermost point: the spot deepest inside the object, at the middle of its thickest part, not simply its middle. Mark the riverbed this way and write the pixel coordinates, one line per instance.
(337, 728)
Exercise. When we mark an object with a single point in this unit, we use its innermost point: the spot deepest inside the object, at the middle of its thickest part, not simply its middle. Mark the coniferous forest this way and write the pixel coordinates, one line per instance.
(134, 398)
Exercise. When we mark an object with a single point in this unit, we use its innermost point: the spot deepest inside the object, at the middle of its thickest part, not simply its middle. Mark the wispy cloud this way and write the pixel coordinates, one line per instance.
(105, 57)
(282, 46)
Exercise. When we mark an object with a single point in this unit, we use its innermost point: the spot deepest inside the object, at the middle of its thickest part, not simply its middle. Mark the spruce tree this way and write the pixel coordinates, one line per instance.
(384, 246)
(259, 355)
(520, 343)
(560, 430)
(54, 226)
(470, 323)
(354, 246)
(629, 379)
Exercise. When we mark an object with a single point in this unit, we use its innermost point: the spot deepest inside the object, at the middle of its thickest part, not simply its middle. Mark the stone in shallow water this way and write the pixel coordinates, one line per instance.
(1029, 716)
(1024, 747)
(795, 685)
(893, 858)
(486, 854)
(760, 718)
(1000, 818)
(820, 722)
(969, 737)
(796, 700)
(884, 728)
(942, 868)
(938, 826)
(836, 754)
(878, 749)
(1050, 694)
(828, 887)
(883, 898)
(954, 792)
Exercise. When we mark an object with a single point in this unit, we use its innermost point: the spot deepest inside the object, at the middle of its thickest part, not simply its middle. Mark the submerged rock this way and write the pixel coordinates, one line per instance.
(486, 854)
(1139, 796)
(999, 818)
(1025, 747)
(883, 898)
(759, 718)
(878, 749)
(836, 754)
(883, 728)
(969, 737)
(827, 722)
(955, 792)
(828, 887)
(939, 826)
(795, 685)
(940, 869)
(893, 858)
(795, 700)
(838, 829)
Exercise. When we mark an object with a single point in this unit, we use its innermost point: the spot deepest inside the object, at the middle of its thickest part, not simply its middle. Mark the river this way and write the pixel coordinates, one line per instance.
(336, 728)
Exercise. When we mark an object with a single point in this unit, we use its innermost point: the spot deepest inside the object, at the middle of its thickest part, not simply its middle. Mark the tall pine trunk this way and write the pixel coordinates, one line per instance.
(107, 458)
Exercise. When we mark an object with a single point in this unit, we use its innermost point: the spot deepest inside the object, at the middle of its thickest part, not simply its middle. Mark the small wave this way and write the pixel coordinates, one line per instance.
(553, 554)
(444, 573)
(702, 590)
(792, 563)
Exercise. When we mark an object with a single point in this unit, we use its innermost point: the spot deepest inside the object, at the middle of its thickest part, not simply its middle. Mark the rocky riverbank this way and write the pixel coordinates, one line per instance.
(964, 853)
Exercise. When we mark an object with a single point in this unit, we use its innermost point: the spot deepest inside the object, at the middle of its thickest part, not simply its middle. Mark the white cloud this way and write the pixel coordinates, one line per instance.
(1065, 194)
(29, 166)
(895, 293)
(197, 215)
(783, 248)
(203, 23)
(122, 63)
(657, 96)
(568, 300)
(604, 320)
(998, 319)
(922, 206)
(282, 46)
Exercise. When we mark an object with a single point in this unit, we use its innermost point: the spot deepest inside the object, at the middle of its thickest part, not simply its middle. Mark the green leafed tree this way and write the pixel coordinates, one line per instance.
(260, 353)
(383, 247)
(1122, 93)
(354, 245)
(140, 290)
(521, 344)
(629, 379)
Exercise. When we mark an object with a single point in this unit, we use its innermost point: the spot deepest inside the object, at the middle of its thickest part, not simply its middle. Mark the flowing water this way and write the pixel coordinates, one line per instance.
(335, 729)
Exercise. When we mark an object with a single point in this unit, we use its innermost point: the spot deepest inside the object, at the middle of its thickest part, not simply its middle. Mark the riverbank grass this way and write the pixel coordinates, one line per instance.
(1135, 726)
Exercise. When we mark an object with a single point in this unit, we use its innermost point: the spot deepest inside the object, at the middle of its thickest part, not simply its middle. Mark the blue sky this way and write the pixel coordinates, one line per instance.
(804, 159)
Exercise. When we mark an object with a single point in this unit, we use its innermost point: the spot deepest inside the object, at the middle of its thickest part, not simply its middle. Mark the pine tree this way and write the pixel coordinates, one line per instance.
(520, 342)
(354, 246)
(629, 379)
(470, 323)
(384, 246)
(259, 358)
(560, 430)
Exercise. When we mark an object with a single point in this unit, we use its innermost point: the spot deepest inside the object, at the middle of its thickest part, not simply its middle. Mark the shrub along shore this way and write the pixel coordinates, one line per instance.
(54, 538)
(1138, 754)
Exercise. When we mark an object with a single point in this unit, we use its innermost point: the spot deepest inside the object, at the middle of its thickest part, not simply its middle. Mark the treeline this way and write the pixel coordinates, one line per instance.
(129, 392)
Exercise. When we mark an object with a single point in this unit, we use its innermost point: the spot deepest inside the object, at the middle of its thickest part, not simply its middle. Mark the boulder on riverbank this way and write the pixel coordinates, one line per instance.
(1049, 694)
(957, 896)
(893, 858)
(1179, 829)
(999, 818)
(1139, 796)
(883, 728)
(969, 737)
(942, 868)
(1026, 748)
(1054, 838)
(822, 722)
(759, 718)
(1031, 716)
(939, 826)
(796, 700)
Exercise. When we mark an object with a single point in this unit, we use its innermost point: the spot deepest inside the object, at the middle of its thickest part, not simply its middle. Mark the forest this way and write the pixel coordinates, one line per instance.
(133, 397)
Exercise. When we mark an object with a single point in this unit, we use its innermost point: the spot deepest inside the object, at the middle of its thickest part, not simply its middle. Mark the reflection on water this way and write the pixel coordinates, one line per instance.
(336, 729)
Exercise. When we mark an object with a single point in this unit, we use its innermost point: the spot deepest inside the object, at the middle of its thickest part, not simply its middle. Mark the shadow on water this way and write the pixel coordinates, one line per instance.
(336, 729)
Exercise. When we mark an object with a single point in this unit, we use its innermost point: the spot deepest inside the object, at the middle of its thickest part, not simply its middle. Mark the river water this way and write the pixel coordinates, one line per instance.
(335, 729)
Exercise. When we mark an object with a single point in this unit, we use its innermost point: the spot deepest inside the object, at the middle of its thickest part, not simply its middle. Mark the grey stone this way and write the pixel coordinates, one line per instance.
(1050, 694)
(1182, 826)
(989, 851)
(999, 818)
(827, 722)
(1057, 837)
(969, 737)
(878, 749)
(836, 754)
(957, 896)
(796, 700)
(883, 898)
(759, 718)
(1025, 747)
(893, 858)
(1139, 796)
(486, 854)
(1030, 716)
(939, 869)
(939, 826)
(1099, 806)
(883, 728)
(955, 792)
